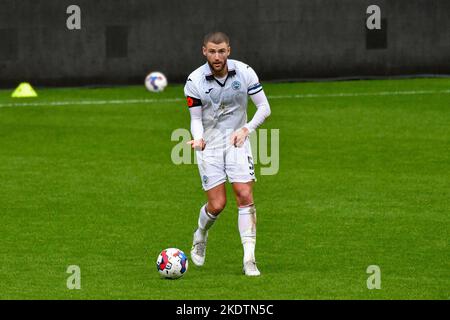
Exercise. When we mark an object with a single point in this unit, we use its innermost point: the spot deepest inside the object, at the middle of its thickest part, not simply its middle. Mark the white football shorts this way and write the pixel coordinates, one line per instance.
(216, 164)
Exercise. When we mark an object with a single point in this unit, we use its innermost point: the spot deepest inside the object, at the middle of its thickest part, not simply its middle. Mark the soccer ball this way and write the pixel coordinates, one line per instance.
(172, 263)
(155, 82)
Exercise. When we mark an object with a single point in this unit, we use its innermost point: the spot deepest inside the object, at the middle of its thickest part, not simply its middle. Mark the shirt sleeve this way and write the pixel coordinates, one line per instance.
(191, 93)
(196, 123)
(253, 84)
(262, 112)
(193, 100)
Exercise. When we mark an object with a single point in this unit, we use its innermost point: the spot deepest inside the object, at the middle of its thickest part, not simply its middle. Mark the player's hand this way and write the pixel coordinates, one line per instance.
(238, 137)
(197, 144)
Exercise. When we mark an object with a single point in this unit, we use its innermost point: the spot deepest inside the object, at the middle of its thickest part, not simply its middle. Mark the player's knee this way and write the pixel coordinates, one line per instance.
(215, 207)
(244, 197)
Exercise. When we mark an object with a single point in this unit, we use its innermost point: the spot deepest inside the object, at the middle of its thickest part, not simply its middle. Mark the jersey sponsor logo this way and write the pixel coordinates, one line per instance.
(209, 90)
(193, 102)
(236, 85)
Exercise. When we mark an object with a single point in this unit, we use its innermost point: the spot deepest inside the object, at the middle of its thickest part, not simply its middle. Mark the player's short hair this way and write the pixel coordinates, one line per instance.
(216, 37)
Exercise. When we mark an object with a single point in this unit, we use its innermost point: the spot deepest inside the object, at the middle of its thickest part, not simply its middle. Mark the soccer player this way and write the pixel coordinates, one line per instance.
(217, 95)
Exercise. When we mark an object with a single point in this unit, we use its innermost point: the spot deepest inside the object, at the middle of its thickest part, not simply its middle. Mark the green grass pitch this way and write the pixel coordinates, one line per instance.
(364, 179)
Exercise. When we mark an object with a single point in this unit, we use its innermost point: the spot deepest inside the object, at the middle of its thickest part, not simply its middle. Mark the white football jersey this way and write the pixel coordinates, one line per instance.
(224, 104)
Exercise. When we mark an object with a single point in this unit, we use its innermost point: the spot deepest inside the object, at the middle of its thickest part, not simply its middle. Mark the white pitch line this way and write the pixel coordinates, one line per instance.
(359, 94)
(293, 96)
(87, 102)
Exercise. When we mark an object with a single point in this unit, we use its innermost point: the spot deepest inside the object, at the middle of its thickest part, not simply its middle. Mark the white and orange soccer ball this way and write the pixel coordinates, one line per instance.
(155, 81)
(172, 263)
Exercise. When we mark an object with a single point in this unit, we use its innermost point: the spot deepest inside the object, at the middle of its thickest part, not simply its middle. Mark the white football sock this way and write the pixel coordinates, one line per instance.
(205, 221)
(247, 229)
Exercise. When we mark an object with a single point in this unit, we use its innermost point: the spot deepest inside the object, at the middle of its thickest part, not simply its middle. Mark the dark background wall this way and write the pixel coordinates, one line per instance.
(121, 41)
